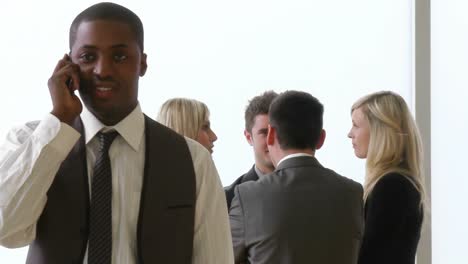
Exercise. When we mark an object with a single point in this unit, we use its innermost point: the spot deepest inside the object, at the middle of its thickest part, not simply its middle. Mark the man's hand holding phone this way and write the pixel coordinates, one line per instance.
(62, 86)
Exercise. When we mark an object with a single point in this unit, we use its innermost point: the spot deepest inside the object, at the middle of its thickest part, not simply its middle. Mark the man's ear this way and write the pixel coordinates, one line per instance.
(321, 140)
(271, 136)
(248, 136)
(143, 65)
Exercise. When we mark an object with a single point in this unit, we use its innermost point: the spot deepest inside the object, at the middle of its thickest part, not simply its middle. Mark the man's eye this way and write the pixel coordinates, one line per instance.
(120, 57)
(87, 57)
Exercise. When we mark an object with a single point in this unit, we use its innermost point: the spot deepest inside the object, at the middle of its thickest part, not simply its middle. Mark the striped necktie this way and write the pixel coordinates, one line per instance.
(100, 215)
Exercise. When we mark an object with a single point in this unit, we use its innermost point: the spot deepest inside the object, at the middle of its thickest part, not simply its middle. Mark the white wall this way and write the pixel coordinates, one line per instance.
(449, 131)
(224, 53)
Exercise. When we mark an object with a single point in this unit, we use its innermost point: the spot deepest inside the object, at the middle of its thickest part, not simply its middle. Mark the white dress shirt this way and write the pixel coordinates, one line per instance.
(32, 155)
(295, 155)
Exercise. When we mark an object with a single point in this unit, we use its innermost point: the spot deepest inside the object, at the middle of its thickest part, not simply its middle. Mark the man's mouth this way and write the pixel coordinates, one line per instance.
(103, 92)
(103, 89)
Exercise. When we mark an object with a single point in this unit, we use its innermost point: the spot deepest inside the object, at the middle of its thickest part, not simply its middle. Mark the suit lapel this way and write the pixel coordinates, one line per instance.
(251, 175)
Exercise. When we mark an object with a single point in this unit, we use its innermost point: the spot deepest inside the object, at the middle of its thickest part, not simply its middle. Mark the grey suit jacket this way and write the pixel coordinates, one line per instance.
(251, 175)
(301, 213)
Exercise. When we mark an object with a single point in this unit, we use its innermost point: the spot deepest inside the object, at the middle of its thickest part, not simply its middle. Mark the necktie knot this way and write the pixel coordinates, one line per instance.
(106, 139)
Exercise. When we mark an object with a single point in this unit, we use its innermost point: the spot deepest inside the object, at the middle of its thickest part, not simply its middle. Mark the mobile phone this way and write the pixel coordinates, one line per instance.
(69, 83)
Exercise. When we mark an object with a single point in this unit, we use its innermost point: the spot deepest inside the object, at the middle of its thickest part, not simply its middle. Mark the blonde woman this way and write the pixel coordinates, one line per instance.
(190, 118)
(385, 134)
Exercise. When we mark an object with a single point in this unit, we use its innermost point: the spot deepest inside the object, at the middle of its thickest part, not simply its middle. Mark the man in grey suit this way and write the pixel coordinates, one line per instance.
(256, 129)
(302, 212)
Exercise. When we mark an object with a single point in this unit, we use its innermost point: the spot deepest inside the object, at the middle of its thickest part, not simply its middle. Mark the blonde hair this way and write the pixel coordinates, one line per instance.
(185, 116)
(394, 144)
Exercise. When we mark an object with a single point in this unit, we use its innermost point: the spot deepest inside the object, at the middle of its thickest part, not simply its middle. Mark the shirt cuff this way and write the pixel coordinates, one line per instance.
(58, 135)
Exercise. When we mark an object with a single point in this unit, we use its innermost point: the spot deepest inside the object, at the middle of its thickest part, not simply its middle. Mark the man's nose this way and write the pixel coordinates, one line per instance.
(103, 67)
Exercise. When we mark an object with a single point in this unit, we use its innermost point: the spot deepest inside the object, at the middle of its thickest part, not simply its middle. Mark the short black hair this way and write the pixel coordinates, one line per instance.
(259, 105)
(112, 12)
(298, 120)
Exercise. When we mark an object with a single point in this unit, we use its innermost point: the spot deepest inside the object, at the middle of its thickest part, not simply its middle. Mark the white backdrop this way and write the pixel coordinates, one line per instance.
(224, 53)
(449, 131)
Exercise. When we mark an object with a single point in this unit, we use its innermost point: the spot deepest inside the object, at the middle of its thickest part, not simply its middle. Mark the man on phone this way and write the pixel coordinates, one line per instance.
(97, 181)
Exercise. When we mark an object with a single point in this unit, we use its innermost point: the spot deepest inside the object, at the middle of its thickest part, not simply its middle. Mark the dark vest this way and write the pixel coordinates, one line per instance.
(167, 206)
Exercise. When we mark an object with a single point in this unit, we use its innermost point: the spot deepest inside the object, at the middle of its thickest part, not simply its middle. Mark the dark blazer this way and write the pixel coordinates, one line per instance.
(302, 213)
(393, 219)
(251, 175)
(167, 207)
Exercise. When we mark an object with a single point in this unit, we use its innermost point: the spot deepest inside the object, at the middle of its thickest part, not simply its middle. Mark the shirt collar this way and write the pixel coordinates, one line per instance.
(290, 156)
(259, 172)
(131, 128)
